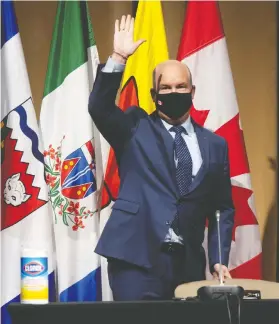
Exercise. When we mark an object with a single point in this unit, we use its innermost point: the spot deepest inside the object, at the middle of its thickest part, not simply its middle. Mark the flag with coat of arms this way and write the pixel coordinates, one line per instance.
(69, 151)
(26, 220)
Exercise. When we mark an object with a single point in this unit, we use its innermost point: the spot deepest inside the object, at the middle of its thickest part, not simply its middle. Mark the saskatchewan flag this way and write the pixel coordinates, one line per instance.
(137, 79)
(69, 151)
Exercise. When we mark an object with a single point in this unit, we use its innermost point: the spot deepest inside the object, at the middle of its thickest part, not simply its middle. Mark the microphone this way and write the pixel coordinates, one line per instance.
(220, 291)
(219, 246)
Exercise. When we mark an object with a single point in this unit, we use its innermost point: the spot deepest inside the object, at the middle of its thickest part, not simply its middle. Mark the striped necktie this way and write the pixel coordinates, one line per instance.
(184, 166)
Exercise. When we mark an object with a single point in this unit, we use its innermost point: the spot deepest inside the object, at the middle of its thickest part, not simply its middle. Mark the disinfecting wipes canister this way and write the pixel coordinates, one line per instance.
(34, 277)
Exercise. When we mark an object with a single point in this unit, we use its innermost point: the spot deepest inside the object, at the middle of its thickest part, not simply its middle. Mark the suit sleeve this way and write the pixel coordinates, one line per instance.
(112, 122)
(224, 204)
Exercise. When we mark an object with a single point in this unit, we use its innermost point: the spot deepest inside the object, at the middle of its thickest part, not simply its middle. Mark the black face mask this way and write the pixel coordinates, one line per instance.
(174, 105)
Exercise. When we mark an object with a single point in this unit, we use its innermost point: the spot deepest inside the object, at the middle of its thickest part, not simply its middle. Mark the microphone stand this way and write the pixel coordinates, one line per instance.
(219, 248)
(221, 291)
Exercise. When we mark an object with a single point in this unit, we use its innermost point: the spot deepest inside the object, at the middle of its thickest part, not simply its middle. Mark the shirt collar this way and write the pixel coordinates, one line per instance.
(187, 125)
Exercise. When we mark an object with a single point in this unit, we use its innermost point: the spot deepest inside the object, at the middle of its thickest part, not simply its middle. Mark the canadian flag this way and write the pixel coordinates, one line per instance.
(203, 48)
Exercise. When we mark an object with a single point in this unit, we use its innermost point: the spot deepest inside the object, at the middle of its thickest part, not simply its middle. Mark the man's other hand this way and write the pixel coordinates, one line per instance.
(217, 270)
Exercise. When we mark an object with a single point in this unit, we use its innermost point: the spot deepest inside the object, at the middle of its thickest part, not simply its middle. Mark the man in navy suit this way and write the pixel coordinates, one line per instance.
(174, 174)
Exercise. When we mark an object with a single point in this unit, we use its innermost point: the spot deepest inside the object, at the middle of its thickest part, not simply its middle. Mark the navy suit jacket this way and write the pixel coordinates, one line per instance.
(148, 196)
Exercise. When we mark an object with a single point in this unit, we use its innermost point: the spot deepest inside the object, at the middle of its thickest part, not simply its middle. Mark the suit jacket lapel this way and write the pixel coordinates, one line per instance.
(205, 152)
(167, 145)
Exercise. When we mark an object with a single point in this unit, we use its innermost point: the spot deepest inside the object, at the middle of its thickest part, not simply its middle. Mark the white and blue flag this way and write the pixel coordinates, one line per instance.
(26, 218)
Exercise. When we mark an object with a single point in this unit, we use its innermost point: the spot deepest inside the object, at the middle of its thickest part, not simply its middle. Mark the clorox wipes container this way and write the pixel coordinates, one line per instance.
(34, 277)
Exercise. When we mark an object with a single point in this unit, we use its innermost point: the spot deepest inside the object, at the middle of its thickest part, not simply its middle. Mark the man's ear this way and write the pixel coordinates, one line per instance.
(153, 94)
(193, 91)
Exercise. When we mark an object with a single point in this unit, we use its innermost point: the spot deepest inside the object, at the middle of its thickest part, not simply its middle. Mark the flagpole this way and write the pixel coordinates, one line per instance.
(277, 270)
(134, 7)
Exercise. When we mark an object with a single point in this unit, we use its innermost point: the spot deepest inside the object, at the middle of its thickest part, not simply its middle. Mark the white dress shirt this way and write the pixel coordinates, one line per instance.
(190, 139)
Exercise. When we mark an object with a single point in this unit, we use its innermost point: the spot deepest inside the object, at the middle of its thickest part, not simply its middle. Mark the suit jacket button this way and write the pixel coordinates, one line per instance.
(179, 201)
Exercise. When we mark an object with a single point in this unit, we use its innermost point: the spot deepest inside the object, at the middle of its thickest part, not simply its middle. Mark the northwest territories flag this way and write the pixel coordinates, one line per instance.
(26, 218)
(70, 145)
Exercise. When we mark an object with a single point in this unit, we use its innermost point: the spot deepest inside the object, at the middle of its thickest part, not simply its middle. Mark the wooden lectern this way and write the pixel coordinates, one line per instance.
(268, 289)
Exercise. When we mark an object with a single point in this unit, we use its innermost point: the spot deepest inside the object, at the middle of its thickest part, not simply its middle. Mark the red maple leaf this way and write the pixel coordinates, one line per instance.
(199, 116)
(238, 165)
(234, 135)
(237, 153)
(243, 213)
(252, 269)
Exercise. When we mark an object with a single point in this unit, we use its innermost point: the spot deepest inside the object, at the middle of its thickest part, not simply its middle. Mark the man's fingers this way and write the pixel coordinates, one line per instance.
(227, 275)
(122, 24)
(127, 23)
(131, 27)
(215, 275)
(116, 27)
